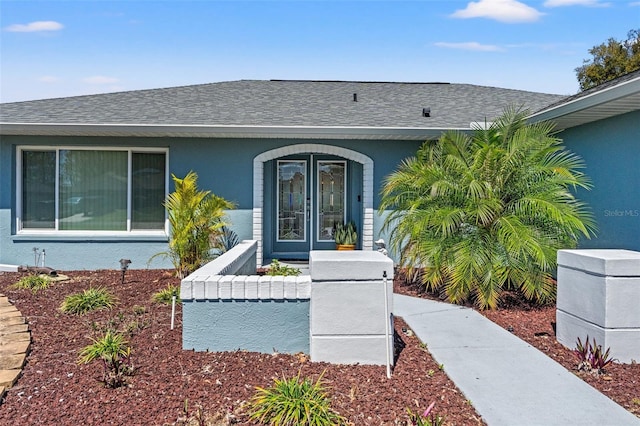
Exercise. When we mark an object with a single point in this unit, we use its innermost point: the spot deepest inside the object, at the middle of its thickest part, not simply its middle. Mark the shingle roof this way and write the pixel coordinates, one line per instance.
(615, 97)
(284, 103)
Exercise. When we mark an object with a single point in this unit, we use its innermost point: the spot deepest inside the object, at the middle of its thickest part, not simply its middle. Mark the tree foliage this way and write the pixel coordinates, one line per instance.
(197, 219)
(478, 214)
(610, 60)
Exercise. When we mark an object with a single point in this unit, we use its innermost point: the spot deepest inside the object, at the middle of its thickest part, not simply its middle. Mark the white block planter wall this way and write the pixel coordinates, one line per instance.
(348, 319)
(341, 313)
(599, 297)
(231, 312)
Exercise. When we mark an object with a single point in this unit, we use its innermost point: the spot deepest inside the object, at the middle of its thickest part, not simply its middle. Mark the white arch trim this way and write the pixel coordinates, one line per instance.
(311, 148)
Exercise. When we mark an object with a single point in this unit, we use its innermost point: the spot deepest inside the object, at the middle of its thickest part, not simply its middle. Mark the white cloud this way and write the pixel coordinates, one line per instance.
(48, 79)
(588, 3)
(634, 3)
(471, 45)
(509, 11)
(100, 79)
(36, 26)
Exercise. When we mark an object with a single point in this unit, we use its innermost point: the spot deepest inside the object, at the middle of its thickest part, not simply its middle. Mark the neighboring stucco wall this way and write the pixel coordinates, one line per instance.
(223, 166)
(611, 149)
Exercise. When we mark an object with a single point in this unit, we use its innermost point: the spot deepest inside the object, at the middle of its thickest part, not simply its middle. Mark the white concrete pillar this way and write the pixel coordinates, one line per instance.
(599, 297)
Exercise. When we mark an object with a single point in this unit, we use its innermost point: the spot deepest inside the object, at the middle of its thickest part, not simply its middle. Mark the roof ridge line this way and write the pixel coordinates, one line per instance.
(353, 81)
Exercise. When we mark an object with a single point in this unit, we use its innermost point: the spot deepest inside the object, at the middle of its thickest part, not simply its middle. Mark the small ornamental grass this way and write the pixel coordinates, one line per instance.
(165, 295)
(278, 269)
(33, 283)
(115, 353)
(294, 401)
(88, 300)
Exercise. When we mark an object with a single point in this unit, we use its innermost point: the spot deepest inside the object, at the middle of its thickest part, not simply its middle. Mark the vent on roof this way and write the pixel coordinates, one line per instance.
(355, 97)
(426, 112)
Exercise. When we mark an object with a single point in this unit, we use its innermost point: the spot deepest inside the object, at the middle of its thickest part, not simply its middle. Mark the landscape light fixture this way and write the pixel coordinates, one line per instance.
(124, 265)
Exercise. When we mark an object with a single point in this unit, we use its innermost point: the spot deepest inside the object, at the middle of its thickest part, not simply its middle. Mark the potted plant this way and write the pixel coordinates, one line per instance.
(345, 236)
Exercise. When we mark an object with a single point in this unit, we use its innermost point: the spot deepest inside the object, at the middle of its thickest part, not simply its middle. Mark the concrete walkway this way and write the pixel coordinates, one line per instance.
(508, 381)
(15, 339)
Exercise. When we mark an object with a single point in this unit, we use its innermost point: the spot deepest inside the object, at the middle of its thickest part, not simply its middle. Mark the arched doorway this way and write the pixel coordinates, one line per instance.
(307, 162)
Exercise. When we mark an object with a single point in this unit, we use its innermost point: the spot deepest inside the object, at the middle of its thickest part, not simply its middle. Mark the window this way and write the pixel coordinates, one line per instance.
(92, 190)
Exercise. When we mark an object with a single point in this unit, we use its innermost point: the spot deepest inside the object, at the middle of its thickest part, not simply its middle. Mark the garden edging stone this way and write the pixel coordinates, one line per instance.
(15, 340)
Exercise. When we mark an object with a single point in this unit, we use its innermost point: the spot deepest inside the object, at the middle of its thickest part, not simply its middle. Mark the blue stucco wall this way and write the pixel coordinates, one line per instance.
(224, 166)
(611, 150)
(255, 325)
(609, 147)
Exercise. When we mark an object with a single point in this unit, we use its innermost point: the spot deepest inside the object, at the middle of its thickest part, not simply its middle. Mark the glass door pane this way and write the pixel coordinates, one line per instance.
(292, 196)
(331, 197)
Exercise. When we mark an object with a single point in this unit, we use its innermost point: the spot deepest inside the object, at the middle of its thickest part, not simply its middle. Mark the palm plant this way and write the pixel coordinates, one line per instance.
(115, 353)
(196, 219)
(481, 213)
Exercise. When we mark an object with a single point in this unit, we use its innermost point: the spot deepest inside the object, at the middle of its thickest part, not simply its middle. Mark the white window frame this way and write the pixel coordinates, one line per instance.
(57, 148)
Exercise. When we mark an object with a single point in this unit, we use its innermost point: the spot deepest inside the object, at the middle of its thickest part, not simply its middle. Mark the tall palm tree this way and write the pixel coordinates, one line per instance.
(196, 219)
(478, 214)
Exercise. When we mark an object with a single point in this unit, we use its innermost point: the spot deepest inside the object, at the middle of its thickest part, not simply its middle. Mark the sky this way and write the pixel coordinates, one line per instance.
(52, 49)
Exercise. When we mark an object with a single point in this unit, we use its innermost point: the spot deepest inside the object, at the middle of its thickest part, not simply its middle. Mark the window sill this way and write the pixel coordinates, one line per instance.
(88, 237)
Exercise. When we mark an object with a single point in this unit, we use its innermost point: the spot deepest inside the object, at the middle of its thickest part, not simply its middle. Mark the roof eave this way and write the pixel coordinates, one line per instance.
(218, 131)
(616, 100)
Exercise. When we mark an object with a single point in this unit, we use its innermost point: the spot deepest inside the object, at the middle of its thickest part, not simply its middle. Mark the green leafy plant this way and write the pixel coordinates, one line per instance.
(228, 239)
(88, 300)
(278, 269)
(33, 283)
(165, 296)
(115, 353)
(139, 310)
(196, 219)
(591, 357)
(294, 401)
(345, 234)
(483, 213)
(427, 418)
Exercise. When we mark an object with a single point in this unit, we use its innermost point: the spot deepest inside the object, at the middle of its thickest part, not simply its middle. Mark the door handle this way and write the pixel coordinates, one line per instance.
(308, 209)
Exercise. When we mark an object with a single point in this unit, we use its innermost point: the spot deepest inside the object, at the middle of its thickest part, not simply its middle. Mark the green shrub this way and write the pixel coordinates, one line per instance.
(33, 283)
(196, 219)
(278, 269)
(165, 295)
(294, 401)
(486, 212)
(88, 300)
(115, 354)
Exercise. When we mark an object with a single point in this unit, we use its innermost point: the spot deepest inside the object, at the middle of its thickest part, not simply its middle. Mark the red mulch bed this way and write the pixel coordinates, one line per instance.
(175, 387)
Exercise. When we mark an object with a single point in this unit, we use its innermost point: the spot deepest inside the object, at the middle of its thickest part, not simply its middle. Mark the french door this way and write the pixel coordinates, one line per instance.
(310, 195)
